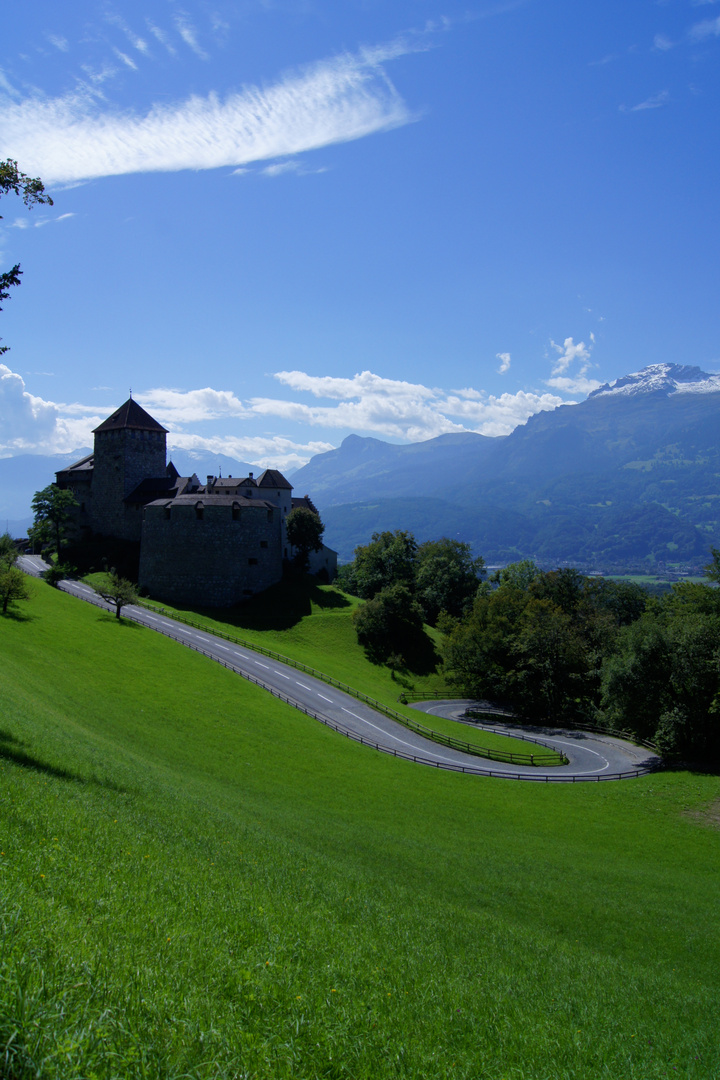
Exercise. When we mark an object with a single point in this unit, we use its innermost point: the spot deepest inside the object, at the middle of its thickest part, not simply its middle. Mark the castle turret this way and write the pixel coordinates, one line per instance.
(129, 447)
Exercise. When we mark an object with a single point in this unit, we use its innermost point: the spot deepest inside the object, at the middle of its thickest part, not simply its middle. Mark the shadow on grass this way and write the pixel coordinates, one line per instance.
(17, 616)
(11, 750)
(278, 608)
(107, 617)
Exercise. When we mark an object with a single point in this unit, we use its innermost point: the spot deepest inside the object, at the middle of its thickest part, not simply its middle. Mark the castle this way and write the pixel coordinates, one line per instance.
(212, 544)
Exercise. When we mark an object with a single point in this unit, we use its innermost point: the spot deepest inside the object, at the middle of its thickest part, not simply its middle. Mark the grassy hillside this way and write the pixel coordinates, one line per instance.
(196, 880)
(312, 624)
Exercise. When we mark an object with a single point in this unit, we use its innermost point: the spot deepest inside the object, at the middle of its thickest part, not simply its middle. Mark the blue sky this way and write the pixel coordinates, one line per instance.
(282, 221)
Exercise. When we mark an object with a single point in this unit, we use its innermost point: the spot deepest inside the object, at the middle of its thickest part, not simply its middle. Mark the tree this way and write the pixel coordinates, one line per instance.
(447, 578)
(13, 586)
(32, 192)
(304, 532)
(389, 559)
(51, 508)
(8, 550)
(390, 629)
(712, 570)
(117, 590)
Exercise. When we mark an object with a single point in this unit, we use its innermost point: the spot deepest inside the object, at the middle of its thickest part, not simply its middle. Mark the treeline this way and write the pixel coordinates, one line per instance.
(554, 646)
(407, 585)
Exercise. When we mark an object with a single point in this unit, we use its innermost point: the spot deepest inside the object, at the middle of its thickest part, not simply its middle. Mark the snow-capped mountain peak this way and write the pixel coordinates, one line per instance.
(662, 378)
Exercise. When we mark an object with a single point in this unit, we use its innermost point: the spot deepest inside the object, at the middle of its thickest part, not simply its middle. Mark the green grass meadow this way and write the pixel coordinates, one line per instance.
(199, 881)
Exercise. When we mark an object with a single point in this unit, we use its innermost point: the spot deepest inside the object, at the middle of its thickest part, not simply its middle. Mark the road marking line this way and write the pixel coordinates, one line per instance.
(224, 647)
(330, 700)
(303, 685)
(266, 666)
(388, 734)
(281, 674)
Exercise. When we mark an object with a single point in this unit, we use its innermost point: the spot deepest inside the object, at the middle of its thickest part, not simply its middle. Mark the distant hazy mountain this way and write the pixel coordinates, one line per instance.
(627, 477)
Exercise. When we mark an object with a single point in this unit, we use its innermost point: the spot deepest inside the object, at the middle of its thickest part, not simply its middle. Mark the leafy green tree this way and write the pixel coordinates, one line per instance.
(447, 578)
(32, 192)
(390, 629)
(51, 508)
(389, 559)
(712, 570)
(537, 640)
(304, 532)
(13, 586)
(117, 590)
(663, 679)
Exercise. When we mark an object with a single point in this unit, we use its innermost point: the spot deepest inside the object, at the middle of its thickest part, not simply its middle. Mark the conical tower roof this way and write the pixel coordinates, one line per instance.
(130, 415)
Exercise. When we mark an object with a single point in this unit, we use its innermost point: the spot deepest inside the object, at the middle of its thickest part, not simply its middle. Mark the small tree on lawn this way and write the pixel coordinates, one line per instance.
(117, 590)
(13, 586)
(304, 533)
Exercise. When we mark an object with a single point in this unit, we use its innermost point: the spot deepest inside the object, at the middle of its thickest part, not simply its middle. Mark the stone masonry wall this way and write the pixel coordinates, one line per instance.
(123, 458)
(214, 561)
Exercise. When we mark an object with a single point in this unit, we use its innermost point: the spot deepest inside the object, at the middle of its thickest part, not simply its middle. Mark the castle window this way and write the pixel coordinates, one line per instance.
(252, 562)
(263, 543)
(270, 515)
(199, 513)
(167, 513)
(236, 513)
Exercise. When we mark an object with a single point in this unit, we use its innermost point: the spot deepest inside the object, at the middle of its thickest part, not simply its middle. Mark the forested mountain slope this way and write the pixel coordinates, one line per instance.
(628, 477)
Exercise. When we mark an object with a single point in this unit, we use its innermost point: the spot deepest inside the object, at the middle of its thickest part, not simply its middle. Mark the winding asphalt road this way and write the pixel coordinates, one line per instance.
(591, 757)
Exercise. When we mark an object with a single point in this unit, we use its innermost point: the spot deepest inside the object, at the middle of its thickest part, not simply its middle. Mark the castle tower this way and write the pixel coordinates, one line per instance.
(129, 447)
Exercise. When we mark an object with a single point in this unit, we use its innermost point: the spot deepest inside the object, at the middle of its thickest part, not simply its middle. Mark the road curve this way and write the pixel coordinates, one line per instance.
(591, 757)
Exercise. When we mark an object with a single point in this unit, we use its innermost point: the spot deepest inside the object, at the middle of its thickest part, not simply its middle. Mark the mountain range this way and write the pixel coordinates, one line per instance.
(628, 478)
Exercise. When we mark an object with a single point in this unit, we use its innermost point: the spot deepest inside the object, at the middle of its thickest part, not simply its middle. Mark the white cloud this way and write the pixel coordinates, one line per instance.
(125, 59)
(654, 102)
(25, 223)
(135, 40)
(663, 43)
(271, 452)
(189, 35)
(162, 37)
(74, 138)
(59, 42)
(28, 424)
(568, 354)
(504, 358)
(399, 409)
(366, 403)
(705, 29)
(173, 407)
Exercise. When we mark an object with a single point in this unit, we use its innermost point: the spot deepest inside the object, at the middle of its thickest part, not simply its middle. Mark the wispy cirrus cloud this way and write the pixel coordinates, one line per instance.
(189, 34)
(77, 137)
(656, 101)
(705, 29)
(135, 40)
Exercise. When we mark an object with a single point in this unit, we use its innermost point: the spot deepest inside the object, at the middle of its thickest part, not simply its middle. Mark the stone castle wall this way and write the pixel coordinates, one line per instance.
(123, 458)
(214, 560)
